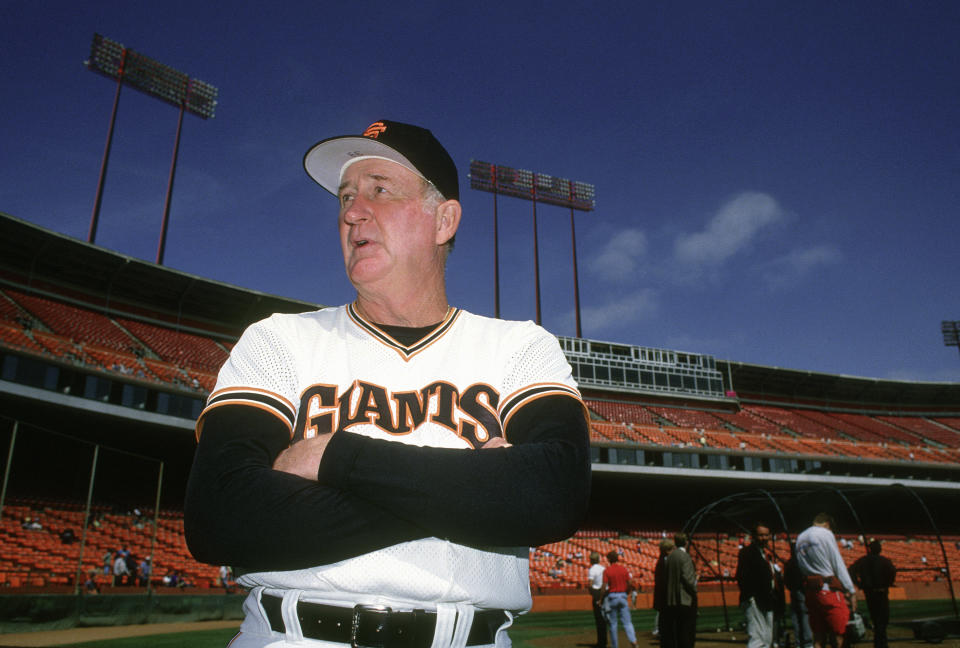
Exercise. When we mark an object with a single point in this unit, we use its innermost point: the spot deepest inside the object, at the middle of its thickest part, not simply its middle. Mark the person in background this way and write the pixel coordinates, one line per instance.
(617, 583)
(830, 592)
(755, 577)
(660, 583)
(678, 623)
(597, 595)
(875, 575)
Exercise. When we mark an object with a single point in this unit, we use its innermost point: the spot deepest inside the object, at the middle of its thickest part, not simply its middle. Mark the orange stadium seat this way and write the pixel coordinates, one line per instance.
(179, 348)
(883, 430)
(77, 324)
(689, 418)
(747, 421)
(14, 337)
(925, 429)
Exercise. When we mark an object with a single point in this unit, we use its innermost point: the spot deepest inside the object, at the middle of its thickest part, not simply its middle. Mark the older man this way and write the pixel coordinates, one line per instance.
(678, 619)
(755, 577)
(378, 470)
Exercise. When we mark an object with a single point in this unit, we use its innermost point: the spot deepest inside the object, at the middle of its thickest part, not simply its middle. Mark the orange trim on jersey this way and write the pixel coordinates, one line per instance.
(405, 352)
(198, 428)
(236, 390)
(510, 405)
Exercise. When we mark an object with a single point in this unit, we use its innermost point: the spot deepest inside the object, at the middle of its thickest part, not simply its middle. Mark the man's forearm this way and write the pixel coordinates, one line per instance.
(533, 492)
(239, 511)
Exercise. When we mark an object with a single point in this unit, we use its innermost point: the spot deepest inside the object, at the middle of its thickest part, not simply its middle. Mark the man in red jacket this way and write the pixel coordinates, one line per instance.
(616, 580)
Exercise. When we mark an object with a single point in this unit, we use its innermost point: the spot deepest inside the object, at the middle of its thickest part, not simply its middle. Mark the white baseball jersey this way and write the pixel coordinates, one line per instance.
(332, 371)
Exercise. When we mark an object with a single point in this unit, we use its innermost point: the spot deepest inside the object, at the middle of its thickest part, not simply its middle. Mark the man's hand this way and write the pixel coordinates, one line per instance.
(495, 442)
(303, 457)
(852, 600)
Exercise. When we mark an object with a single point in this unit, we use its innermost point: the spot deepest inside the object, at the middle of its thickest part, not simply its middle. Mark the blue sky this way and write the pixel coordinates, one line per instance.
(777, 183)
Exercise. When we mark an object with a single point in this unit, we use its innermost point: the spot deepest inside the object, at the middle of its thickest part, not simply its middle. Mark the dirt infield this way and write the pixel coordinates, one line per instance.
(79, 635)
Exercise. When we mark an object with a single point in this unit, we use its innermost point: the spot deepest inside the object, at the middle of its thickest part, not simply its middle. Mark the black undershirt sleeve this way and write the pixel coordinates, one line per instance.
(241, 512)
(529, 494)
(373, 494)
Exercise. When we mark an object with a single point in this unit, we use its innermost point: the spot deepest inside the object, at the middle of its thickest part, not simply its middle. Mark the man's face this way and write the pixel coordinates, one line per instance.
(762, 536)
(387, 237)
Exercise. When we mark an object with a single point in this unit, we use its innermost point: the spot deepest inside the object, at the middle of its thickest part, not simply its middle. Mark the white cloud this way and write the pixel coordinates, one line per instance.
(621, 311)
(621, 256)
(733, 227)
(791, 268)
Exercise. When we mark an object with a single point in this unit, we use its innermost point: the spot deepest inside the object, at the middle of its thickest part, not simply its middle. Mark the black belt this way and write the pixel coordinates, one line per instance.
(376, 626)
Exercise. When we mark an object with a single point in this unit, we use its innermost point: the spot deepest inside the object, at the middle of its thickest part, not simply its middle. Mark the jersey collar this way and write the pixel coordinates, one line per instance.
(405, 351)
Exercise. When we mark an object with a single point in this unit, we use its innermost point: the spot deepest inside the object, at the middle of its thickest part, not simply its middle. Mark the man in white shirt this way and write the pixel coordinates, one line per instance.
(826, 582)
(597, 594)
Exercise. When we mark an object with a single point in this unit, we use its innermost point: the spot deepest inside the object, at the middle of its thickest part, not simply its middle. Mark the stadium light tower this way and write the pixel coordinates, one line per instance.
(951, 333)
(114, 61)
(518, 183)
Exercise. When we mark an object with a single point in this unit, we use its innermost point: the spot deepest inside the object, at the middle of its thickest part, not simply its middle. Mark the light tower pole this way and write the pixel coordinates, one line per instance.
(114, 61)
(536, 187)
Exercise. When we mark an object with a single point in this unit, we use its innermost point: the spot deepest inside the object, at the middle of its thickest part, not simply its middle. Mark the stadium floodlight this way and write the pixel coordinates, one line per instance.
(540, 187)
(537, 187)
(114, 61)
(951, 333)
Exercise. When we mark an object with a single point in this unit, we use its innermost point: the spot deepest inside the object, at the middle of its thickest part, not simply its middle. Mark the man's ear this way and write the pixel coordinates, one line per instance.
(448, 220)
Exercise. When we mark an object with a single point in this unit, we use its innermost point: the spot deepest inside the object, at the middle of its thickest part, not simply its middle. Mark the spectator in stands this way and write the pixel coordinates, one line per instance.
(660, 583)
(830, 593)
(120, 571)
(678, 620)
(755, 577)
(793, 581)
(67, 536)
(107, 562)
(226, 578)
(31, 525)
(875, 574)
(597, 596)
(143, 573)
(617, 582)
(90, 586)
(131, 575)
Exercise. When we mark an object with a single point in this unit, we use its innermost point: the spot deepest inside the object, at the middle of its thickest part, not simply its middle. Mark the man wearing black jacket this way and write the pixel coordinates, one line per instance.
(755, 576)
(875, 574)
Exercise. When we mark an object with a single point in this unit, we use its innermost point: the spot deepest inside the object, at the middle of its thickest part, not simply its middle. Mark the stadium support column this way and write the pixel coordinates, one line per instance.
(6, 472)
(156, 526)
(78, 578)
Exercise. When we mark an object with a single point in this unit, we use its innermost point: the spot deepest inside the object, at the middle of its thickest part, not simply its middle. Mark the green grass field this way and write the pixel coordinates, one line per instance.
(533, 630)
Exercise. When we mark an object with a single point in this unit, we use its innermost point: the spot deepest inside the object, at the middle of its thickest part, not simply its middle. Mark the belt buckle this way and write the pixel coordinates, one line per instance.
(380, 629)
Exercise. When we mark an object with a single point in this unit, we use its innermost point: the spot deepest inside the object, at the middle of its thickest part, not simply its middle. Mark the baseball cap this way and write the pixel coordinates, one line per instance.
(411, 146)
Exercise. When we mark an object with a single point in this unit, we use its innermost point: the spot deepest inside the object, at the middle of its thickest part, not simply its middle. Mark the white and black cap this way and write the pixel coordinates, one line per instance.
(411, 146)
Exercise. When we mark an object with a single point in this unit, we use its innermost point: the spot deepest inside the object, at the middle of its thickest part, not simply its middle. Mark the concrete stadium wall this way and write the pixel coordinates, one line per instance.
(29, 612)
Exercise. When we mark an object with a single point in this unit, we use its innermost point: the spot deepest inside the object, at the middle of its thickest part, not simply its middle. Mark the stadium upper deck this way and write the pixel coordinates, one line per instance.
(97, 344)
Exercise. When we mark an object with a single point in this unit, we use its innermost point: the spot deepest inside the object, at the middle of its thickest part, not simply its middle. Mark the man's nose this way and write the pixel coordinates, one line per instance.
(355, 212)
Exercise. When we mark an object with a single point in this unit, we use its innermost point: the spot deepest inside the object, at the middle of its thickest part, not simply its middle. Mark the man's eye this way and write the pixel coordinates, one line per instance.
(345, 198)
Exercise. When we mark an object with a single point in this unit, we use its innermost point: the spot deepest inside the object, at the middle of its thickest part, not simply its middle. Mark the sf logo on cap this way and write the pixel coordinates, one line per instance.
(374, 130)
